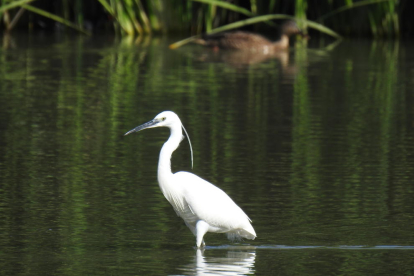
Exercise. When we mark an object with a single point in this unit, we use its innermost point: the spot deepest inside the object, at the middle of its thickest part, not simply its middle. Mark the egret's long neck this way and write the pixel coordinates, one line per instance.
(164, 164)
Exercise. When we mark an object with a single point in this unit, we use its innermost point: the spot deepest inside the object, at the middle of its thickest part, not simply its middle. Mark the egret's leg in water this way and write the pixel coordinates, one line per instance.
(201, 228)
(194, 231)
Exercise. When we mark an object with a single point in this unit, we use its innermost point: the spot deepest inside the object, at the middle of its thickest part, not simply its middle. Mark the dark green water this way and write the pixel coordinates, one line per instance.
(316, 146)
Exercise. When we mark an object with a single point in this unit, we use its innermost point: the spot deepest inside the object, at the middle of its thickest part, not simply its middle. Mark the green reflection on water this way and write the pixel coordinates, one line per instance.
(317, 152)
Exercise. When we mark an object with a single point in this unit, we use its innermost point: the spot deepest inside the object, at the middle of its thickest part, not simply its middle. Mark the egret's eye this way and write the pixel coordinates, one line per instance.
(163, 119)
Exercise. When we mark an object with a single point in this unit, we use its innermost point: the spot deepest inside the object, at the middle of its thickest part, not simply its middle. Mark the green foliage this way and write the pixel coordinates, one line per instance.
(141, 17)
(228, 6)
(14, 4)
(383, 18)
(54, 17)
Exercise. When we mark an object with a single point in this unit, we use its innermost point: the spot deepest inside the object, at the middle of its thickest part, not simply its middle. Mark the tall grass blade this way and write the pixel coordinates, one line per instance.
(272, 4)
(180, 43)
(65, 5)
(253, 6)
(210, 17)
(300, 12)
(78, 13)
(267, 17)
(396, 24)
(232, 7)
(226, 5)
(107, 7)
(143, 16)
(55, 18)
(123, 19)
(14, 4)
(131, 17)
(6, 19)
(15, 19)
(351, 6)
(155, 9)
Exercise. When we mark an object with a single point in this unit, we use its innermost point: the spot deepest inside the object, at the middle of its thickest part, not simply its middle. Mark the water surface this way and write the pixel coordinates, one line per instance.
(316, 146)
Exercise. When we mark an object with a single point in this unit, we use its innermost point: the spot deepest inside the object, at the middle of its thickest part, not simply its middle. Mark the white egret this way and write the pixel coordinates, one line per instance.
(203, 207)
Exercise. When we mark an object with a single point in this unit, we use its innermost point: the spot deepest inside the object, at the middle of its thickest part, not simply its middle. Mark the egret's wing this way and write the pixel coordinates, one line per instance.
(175, 195)
(209, 203)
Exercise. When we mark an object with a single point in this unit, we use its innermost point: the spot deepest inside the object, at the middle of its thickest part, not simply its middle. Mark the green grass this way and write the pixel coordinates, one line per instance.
(142, 17)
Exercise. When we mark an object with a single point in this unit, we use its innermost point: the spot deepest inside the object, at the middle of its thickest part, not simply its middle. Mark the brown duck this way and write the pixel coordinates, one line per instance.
(253, 42)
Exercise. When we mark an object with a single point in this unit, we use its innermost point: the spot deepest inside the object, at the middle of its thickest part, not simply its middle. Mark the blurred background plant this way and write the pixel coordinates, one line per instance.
(376, 18)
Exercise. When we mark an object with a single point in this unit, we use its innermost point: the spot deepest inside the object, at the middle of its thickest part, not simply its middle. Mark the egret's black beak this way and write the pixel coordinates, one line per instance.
(143, 126)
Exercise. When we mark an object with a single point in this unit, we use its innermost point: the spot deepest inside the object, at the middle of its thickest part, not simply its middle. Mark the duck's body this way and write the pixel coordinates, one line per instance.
(241, 40)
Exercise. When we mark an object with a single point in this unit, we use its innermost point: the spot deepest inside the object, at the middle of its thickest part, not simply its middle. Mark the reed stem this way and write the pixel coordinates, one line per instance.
(141, 17)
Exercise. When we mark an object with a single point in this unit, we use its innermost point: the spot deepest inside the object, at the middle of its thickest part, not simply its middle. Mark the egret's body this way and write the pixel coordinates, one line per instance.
(203, 206)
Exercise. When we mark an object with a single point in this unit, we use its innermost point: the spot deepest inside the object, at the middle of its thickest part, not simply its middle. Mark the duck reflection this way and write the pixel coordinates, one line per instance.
(246, 59)
(236, 262)
(243, 58)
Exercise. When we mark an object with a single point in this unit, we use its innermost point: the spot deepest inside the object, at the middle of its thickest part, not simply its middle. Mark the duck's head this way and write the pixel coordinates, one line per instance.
(290, 28)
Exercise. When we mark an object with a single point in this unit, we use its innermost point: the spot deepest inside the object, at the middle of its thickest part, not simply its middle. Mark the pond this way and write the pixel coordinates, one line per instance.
(316, 145)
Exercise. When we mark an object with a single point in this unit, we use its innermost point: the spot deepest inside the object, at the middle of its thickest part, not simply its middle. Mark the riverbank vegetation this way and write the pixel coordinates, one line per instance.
(374, 18)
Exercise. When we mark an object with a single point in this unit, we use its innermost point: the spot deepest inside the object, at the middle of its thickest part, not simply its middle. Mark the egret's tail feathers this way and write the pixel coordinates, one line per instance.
(239, 234)
(249, 231)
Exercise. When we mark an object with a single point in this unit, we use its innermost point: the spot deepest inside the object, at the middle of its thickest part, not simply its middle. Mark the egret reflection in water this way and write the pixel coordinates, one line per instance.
(233, 263)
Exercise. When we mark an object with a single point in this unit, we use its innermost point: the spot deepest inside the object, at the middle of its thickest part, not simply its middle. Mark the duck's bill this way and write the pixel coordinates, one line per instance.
(306, 36)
